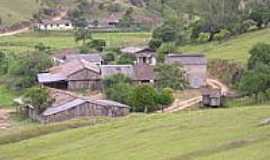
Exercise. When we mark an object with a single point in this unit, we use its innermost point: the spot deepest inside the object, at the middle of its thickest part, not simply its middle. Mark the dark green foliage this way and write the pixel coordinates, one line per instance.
(3, 63)
(110, 81)
(120, 92)
(38, 98)
(24, 68)
(260, 53)
(97, 44)
(261, 13)
(256, 81)
(155, 43)
(109, 58)
(165, 49)
(125, 59)
(170, 76)
(165, 97)
(83, 35)
(144, 99)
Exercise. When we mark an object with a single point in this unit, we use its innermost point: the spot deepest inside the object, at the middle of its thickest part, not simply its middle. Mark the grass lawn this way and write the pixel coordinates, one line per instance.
(27, 41)
(218, 134)
(236, 48)
(6, 97)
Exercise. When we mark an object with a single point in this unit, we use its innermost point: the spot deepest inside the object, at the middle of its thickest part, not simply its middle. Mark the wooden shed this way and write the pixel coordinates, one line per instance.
(69, 106)
(212, 97)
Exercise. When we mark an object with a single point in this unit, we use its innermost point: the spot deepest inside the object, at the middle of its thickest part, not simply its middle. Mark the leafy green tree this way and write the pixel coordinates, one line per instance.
(97, 44)
(155, 43)
(120, 92)
(170, 76)
(110, 81)
(109, 57)
(38, 97)
(165, 97)
(83, 35)
(144, 99)
(259, 54)
(260, 13)
(165, 49)
(24, 68)
(125, 59)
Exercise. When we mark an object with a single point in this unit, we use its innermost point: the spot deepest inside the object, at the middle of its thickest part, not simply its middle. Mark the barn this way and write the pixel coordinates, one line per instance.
(195, 66)
(69, 106)
(74, 75)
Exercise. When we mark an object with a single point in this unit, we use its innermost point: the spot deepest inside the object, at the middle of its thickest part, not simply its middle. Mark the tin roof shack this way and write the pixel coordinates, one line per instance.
(143, 55)
(195, 67)
(212, 97)
(69, 106)
(74, 75)
(68, 54)
(60, 25)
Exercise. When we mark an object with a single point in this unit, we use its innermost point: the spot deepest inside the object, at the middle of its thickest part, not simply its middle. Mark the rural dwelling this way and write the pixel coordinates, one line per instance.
(60, 25)
(74, 75)
(109, 70)
(111, 21)
(144, 73)
(195, 67)
(68, 106)
(212, 97)
(143, 55)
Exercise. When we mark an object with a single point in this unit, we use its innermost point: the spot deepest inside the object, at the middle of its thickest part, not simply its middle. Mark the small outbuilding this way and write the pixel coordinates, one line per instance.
(195, 66)
(212, 97)
(49, 25)
(68, 106)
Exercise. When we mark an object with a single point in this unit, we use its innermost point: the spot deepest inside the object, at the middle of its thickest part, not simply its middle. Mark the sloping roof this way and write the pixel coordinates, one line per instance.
(74, 66)
(63, 107)
(91, 57)
(110, 103)
(134, 50)
(186, 59)
(48, 77)
(108, 70)
(211, 92)
(144, 72)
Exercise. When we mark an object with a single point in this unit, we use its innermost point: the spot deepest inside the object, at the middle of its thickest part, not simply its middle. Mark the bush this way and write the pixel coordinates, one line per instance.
(113, 80)
(222, 35)
(155, 43)
(97, 44)
(165, 97)
(121, 92)
(165, 49)
(125, 59)
(109, 57)
(203, 37)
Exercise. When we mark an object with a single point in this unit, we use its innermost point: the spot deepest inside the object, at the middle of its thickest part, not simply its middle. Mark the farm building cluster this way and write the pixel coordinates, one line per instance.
(75, 71)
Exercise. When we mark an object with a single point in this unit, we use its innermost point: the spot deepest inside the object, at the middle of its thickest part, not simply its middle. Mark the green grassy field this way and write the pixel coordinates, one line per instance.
(26, 42)
(219, 134)
(12, 11)
(234, 49)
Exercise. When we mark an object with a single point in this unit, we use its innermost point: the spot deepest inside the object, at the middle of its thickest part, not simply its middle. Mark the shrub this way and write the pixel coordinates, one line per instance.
(222, 35)
(155, 43)
(203, 37)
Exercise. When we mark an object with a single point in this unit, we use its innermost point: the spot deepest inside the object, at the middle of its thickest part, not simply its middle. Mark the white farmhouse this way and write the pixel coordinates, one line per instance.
(60, 25)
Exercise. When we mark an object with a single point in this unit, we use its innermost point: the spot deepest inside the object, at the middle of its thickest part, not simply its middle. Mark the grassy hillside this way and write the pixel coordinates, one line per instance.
(202, 135)
(236, 48)
(12, 11)
(26, 42)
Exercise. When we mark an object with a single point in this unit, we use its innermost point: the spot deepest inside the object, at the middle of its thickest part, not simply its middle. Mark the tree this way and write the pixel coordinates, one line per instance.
(144, 99)
(165, 49)
(260, 13)
(259, 54)
(83, 35)
(110, 81)
(120, 92)
(125, 59)
(170, 76)
(38, 97)
(24, 68)
(97, 44)
(109, 57)
(3, 63)
(165, 97)
(155, 43)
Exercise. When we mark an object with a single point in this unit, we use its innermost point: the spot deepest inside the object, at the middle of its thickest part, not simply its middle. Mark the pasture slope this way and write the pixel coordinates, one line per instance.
(220, 134)
(236, 48)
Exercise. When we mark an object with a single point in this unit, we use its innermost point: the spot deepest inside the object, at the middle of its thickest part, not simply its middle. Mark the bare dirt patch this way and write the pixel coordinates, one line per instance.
(4, 119)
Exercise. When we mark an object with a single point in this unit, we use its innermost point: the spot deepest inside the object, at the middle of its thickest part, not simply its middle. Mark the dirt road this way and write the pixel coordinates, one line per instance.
(179, 105)
(4, 119)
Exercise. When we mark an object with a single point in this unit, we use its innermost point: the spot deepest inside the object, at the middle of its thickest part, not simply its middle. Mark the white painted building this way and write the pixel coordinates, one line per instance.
(60, 25)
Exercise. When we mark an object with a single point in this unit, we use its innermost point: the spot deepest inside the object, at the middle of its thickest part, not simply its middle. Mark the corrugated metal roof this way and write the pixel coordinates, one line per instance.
(91, 57)
(186, 59)
(110, 103)
(108, 70)
(48, 78)
(64, 107)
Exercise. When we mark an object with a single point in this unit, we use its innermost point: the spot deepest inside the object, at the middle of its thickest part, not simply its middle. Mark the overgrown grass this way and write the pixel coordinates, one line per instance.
(26, 42)
(218, 134)
(6, 97)
(236, 48)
